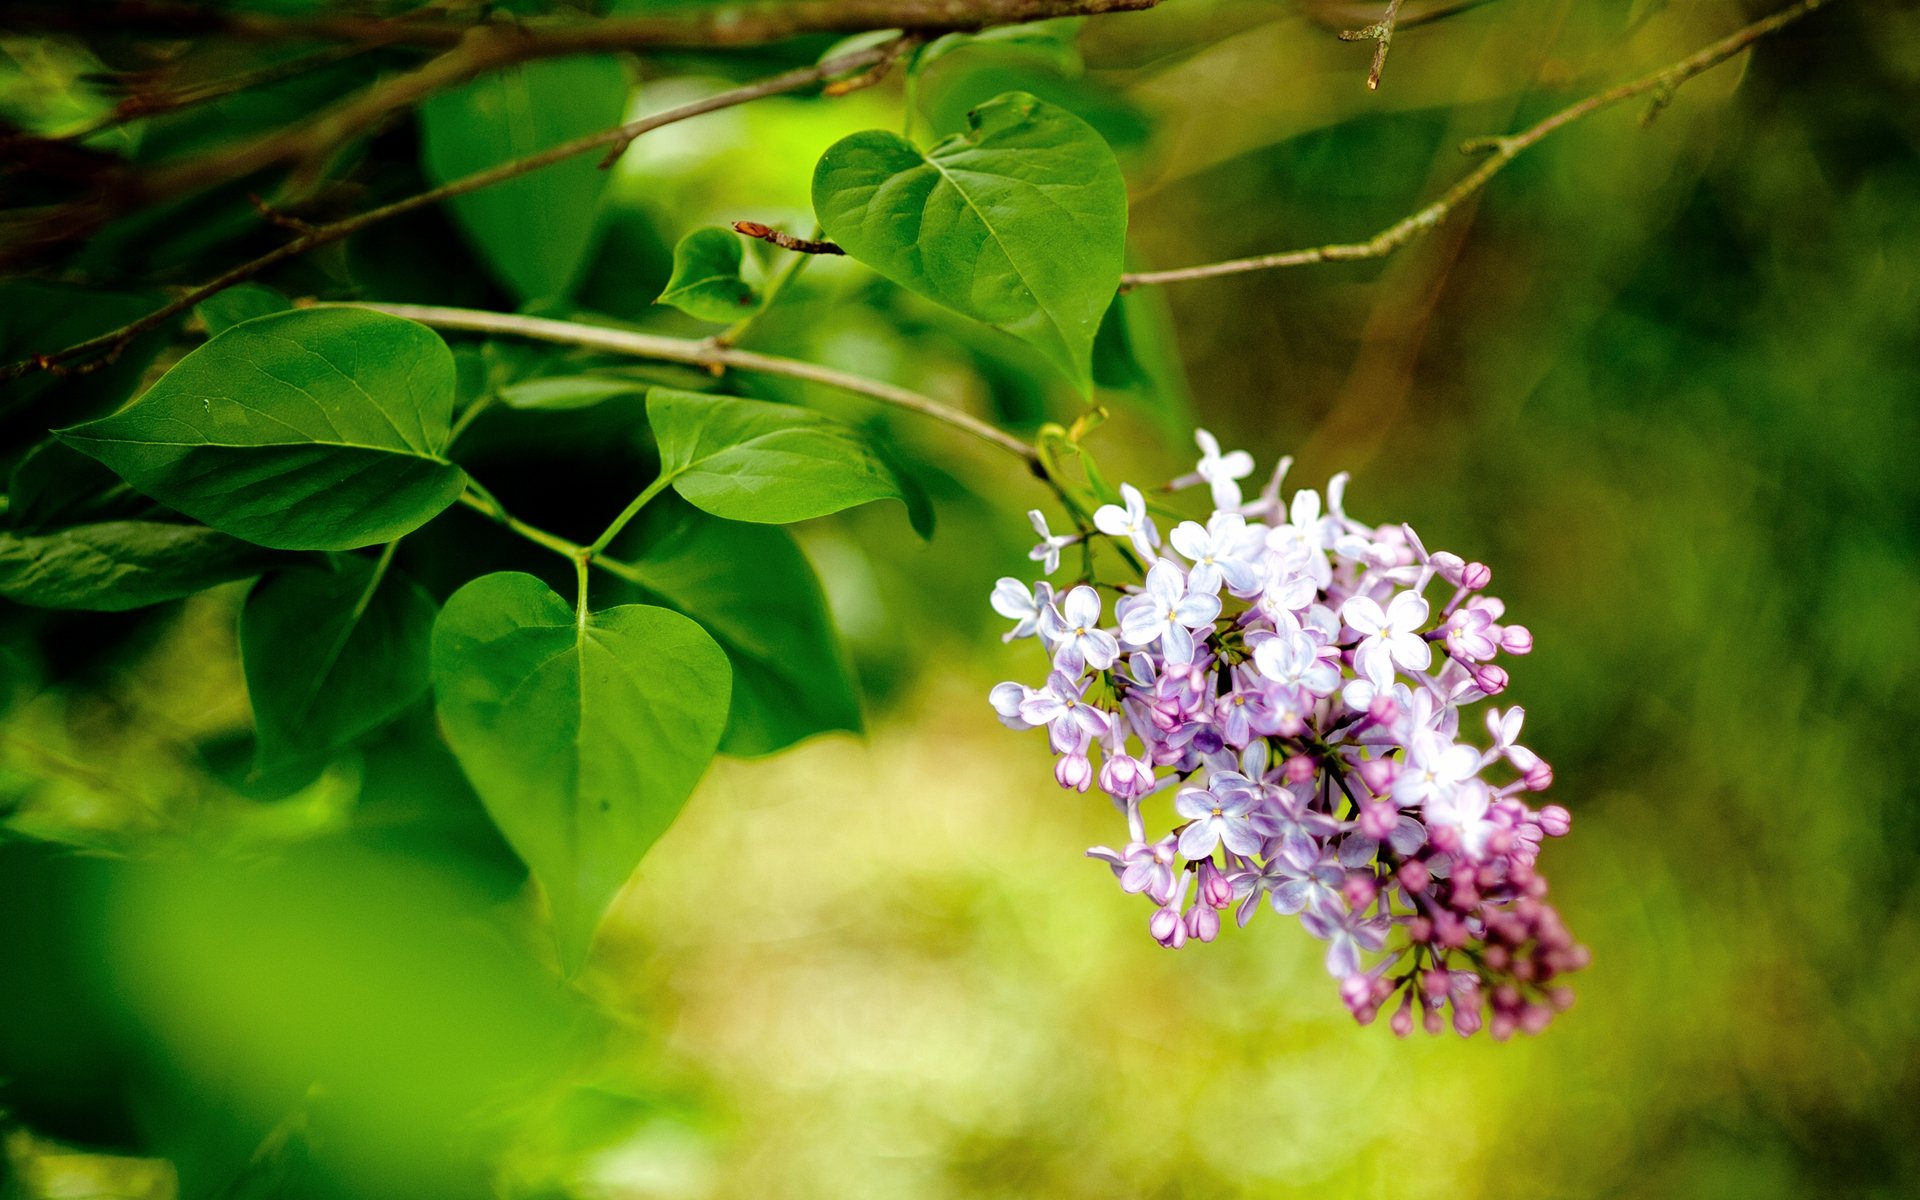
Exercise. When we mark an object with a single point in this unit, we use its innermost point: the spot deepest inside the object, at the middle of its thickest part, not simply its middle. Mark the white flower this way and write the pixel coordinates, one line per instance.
(1219, 552)
(1047, 553)
(1294, 660)
(1130, 521)
(1012, 600)
(1436, 768)
(1302, 542)
(1464, 810)
(1166, 612)
(1222, 471)
(1072, 630)
(1393, 632)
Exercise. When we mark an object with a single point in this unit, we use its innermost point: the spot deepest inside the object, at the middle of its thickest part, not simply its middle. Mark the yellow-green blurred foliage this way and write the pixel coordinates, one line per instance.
(1664, 380)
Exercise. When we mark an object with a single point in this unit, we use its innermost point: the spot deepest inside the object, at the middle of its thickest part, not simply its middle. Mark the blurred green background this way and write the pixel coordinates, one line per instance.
(1665, 380)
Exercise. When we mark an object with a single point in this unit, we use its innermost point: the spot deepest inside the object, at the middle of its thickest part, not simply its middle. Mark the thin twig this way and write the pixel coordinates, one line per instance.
(1381, 34)
(1501, 150)
(705, 354)
(112, 342)
(786, 241)
(749, 23)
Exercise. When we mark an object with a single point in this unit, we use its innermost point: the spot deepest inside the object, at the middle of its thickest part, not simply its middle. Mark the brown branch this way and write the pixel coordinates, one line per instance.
(785, 241)
(112, 342)
(1381, 34)
(751, 22)
(1501, 151)
(705, 353)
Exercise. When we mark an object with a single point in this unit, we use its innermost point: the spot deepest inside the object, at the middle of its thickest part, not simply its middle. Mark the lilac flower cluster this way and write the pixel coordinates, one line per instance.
(1286, 675)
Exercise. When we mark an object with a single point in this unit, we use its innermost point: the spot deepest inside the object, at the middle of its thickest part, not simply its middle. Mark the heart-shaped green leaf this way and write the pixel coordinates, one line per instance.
(583, 737)
(748, 460)
(317, 429)
(110, 566)
(755, 592)
(535, 230)
(1021, 222)
(332, 651)
(706, 279)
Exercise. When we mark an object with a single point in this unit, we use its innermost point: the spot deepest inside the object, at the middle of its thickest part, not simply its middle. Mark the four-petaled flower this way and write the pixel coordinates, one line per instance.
(1167, 613)
(1294, 659)
(1012, 600)
(1222, 472)
(1071, 722)
(1219, 552)
(1129, 521)
(1047, 553)
(1073, 630)
(1392, 631)
(1215, 819)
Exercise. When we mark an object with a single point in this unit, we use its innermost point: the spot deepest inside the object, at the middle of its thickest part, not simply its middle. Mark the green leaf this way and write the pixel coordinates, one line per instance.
(706, 279)
(583, 738)
(1020, 222)
(562, 392)
(755, 592)
(223, 310)
(332, 652)
(111, 566)
(535, 230)
(317, 429)
(748, 460)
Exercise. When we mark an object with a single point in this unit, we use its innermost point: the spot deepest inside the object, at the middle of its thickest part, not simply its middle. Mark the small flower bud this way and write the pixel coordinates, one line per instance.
(1214, 888)
(1378, 774)
(1402, 1020)
(1516, 639)
(1555, 821)
(1414, 876)
(1203, 922)
(1489, 678)
(1476, 575)
(1301, 768)
(1073, 772)
(1359, 890)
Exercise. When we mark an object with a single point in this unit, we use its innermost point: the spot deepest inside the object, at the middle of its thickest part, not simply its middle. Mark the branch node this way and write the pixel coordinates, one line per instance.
(275, 217)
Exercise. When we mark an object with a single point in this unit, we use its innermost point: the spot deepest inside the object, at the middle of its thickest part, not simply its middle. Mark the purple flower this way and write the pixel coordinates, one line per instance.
(1070, 721)
(1346, 934)
(1166, 613)
(1214, 819)
(1073, 631)
(1299, 882)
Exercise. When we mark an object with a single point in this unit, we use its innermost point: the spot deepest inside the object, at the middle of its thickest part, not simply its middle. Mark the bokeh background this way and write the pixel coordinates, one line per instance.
(1663, 379)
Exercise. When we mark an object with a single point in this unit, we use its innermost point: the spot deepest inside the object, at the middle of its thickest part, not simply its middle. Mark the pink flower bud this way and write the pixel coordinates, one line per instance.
(1490, 679)
(1384, 710)
(1074, 772)
(1516, 639)
(1402, 1020)
(1420, 930)
(1214, 888)
(1203, 922)
(1414, 876)
(1359, 891)
(1165, 927)
(1379, 773)
(1554, 820)
(1377, 819)
(1476, 575)
(1301, 768)
(1447, 565)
